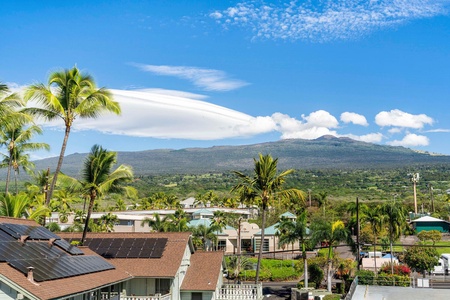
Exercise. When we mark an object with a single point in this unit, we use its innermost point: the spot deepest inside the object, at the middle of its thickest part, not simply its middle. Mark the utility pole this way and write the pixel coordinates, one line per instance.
(414, 180)
(309, 195)
(430, 186)
(357, 232)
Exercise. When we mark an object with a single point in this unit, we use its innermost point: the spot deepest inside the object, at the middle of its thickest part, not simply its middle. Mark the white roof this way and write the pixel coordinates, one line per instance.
(428, 219)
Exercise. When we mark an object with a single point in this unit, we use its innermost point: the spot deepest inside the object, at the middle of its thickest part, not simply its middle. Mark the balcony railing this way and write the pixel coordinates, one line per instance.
(240, 292)
(116, 296)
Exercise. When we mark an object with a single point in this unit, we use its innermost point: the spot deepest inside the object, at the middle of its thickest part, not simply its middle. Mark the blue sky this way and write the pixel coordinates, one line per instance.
(205, 73)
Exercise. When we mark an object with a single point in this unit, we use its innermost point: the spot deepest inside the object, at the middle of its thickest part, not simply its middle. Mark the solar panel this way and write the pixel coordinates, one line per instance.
(68, 247)
(55, 268)
(34, 232)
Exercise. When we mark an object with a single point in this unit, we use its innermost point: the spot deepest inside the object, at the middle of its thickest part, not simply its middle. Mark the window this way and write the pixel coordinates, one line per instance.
(126, 222)
(265, 245)
(162, 286)
(222, 245)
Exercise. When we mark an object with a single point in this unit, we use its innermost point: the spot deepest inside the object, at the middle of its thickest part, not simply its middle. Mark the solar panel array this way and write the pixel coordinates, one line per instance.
(49, 256)
(127, 247)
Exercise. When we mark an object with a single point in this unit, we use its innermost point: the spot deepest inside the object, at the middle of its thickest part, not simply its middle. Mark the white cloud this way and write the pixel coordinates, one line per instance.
(207, 79)
(439, 130)
(325, 20)
(357, 119)
(314, 125)
(368, 138)
(411, 140)
(166, 114)
(398, 118)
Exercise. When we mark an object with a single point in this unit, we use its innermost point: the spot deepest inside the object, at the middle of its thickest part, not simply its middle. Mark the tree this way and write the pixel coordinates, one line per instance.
(156, 224)
(17, 140)
(202, 234)
(69, 95)
(375, 220)
(330, 233)
(395, 217)
(322, 199)
(21, 206)
(421, 258)
(9, 103)
(261, 188)
(430, 235)
(292, 231)
(98, 179)
(106, 222)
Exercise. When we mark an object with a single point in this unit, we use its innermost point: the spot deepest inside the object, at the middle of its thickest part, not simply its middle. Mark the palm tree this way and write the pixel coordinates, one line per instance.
(323, 200)
(107, 221)
(156, 224)
(375, 219)
(202, 234)
(292, 231)
(9, 103)
(263, 186)
(177, 221)
(98, 179)
(21, 206)
(330, 233)
(69, 94)
(395, 217)
(17, 140)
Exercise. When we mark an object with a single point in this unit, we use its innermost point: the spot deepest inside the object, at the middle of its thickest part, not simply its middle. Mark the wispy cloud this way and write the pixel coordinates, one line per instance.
(206, 79)
(325, 20)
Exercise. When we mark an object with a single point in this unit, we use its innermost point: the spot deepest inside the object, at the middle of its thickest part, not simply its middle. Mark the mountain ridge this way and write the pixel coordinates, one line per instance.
(326, 152)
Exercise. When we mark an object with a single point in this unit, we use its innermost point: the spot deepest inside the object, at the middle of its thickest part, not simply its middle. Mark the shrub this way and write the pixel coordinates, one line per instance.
(332, 297)
(365, 276)
(283, 274)
(398, 269)
(315, 274)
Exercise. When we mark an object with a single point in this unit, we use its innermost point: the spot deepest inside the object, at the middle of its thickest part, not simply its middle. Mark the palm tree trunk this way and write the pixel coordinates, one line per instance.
(305, 265)
(88, 217)
(258, 264)
(392, 258)
(375, 255)
(329, 269)
(8, 176)
(58, 167)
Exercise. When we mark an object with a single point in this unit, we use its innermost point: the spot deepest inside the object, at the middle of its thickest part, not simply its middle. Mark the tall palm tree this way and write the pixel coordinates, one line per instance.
(204, 234)
(98, 179)
(295, 231)
(331, 233)
(323, 200)
(177, 221)
(395, 217)
(69, 95)
(17, 140)
(265, 184)
(375, 219)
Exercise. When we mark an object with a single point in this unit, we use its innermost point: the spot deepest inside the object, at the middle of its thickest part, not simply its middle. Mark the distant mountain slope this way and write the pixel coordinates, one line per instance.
(323, 153)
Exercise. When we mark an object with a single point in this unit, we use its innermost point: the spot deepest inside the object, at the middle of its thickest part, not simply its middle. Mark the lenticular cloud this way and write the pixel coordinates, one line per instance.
(325, 20)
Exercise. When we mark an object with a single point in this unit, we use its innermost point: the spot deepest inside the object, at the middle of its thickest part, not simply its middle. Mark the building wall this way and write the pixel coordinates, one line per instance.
(440, 226)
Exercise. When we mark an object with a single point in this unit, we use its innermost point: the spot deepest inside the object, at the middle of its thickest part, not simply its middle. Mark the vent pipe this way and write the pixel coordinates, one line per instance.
(30, 275)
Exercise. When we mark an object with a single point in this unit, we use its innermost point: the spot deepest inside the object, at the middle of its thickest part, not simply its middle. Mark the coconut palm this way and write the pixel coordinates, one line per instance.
(98, 179)
(331, 233)
(106, 222)
(177, 222)
(157, 224)
(69, 95)
(21, 206)
(9, 103)
(394, 215)
(290, 231)
(375, 219)
(262, 187)
(17, 140)
(202, 234)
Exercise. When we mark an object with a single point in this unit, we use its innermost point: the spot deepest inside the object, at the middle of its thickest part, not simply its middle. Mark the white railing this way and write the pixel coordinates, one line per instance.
(113, 296)
(240, 292)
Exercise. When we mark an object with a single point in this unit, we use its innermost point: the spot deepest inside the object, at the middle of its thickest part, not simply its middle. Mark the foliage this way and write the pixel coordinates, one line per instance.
(365, 277)
(399, 269)
(430, 235)
(332, 297)
(315, 274)
(262, 187)
(421, 258)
